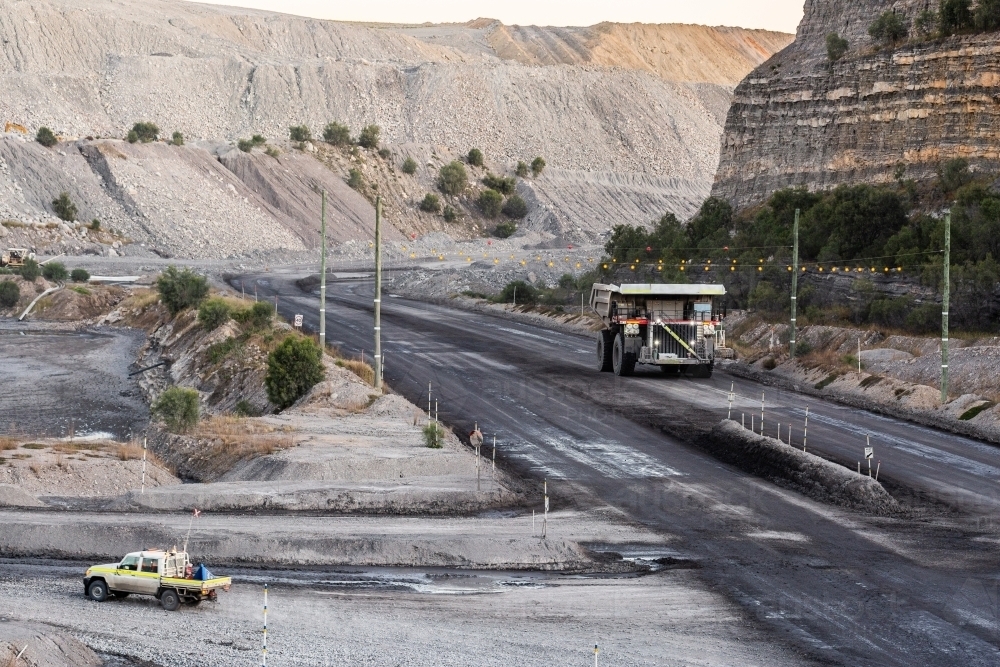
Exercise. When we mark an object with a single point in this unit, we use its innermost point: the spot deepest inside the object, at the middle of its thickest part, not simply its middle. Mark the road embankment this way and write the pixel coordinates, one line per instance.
(801, 471)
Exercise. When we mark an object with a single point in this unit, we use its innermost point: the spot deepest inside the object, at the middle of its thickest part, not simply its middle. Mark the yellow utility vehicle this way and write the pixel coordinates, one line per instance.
(166, 575)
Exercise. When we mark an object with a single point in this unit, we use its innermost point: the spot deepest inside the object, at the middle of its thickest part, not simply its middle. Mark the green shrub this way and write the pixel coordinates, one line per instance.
(888, 28)
(409, 166)
(46, 137)
(490, 202)
(988, 15)
(954, 173)
(503, 185)
(132, 136)
(64, 207)
(337, 134)
(95, 225)
(244, 409)
(10, 293)
(927, 22)
(245, 145)
(54, 271)
(178, 408)
(299, 133)
(355, 179)
(177, 139)
(369, 136)
(181, 289)
(827, 381)
(972, 412)
(520, 290)
(146, 132)
(30, 271)
(537, 166)
(216, 352)
(79, 275)
(384, 153)
(434, 435)
(257, 316)
(272, 151)
(431, 203)
(475, 157)
(293, 368)
(450, 214)
(836, 47)
(515, 207)
(213, 313)
(505, 229)
(521, 169)
(452, 179)
(955, 15)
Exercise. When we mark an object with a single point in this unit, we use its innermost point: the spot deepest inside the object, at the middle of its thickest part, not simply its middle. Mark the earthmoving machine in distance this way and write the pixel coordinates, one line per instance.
(670, 326)
(15, 256)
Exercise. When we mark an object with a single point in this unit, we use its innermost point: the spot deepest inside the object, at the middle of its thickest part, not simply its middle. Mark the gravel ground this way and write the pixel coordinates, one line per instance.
(406, 617)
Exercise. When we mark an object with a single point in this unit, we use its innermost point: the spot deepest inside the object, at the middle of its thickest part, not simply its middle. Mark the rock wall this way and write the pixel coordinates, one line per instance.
(798, 120)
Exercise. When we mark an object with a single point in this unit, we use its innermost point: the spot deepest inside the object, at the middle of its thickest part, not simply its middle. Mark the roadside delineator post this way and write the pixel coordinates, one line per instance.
(596, 650)
(743, 420)
(729, 415)
(142, 489)
(494, 474)
(545, 516)
(805, 429)
(264, 663)
(877, 468)
(762, 413)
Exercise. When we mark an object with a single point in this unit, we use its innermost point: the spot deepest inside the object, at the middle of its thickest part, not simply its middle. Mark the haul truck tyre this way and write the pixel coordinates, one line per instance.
(170, 600)
(97, 591)
(605, 346)
(622, 362)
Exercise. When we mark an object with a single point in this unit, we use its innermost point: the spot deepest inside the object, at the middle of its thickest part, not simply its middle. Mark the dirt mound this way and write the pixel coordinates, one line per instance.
(809, 474)
(43, 647)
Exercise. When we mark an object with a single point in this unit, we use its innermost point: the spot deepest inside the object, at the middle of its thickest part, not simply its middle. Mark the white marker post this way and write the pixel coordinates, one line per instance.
(545, 516)
(596, 651)
(264, 663)
(743, 419)
(805, 430)
(762, 413)
(869, 453)
(494, 475)
(877, 468)
(142, 489)
(428, 401)
(729, 415)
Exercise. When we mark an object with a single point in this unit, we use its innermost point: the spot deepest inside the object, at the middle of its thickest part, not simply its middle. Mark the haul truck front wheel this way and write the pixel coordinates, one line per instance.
(605, 344)
(623, 362)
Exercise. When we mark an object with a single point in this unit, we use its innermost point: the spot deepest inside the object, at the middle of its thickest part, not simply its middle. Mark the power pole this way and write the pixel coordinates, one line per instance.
(322, 276)
(795, 282)
(946, 289)
(378, 292)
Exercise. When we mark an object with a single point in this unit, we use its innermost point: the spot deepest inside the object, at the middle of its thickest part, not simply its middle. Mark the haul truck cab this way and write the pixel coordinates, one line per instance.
(670, 326)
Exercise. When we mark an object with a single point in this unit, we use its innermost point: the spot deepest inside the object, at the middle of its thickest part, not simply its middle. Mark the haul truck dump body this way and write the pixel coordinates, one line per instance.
(670, 326)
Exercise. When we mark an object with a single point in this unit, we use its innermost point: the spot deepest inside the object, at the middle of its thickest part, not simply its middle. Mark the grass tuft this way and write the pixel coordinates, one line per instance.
(972, 412)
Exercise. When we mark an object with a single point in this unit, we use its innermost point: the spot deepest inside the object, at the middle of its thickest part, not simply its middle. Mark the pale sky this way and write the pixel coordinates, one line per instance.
(780, 15)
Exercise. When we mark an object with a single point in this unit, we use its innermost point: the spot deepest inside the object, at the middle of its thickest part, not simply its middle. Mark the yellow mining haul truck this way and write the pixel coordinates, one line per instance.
(670, 326)
(166, 575)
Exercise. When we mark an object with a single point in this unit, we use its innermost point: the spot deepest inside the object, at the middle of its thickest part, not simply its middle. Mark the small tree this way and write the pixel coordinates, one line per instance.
(354, 179)
(79, 275)
(836, 47)
(64, 207)
(178, 408)
(449, 214)
(522, 169)
(505, 229)
(132, 136)
(257, 316)
(490, 202)
(95, 225)
(146, 132)
(452, 179)
(515, 207)
(954, 174)
(927, 22)
(54, 271)
(300, 133)
(475, 157)
(431, 203)
(10, 293)
(337, 134)
(520, 290)
(46, 137)
(409, 166)
(177, 139)
(433, 435)
(537, 166)
(30, 271)
(955, 15)
(213, 313)
(181, 289)
(503, 185)
(369, 136)
(888, 28)
(294, 367)
(988, 14)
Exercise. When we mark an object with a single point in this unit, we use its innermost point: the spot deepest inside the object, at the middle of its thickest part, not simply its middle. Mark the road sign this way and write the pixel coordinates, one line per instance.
(869, 452)
(298, 321)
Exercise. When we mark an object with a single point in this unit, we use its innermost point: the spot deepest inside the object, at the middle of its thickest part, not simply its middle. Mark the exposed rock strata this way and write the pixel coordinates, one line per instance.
(797, 120)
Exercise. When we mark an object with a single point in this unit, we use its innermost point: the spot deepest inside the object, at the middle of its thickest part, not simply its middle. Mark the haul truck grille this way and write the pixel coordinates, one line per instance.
(667, 344)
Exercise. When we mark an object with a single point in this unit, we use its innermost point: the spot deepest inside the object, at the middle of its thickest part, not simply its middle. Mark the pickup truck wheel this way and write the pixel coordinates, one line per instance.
(605, 343)
(170, 601)
(97, 591)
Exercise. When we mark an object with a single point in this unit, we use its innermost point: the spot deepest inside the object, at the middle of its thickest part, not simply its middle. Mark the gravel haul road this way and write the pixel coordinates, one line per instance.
(919, 587)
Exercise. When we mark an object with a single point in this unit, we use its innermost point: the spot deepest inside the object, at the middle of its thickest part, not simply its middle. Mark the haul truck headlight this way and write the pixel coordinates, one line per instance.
(631, 329)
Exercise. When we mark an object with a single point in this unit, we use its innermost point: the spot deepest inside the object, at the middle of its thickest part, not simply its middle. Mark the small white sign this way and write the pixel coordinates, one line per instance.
(298, 321)
(869, 452)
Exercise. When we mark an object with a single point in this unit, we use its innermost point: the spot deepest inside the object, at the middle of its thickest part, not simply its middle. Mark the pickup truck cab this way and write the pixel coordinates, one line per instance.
(166, 575)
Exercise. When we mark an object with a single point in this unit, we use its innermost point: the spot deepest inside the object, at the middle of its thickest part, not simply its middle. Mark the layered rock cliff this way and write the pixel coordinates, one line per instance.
(797, 119)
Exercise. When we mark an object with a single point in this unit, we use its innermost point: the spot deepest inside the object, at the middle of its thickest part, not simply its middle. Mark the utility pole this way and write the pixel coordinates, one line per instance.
(378, 293)
(322, 276)
(946, 289)
(795, 282)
